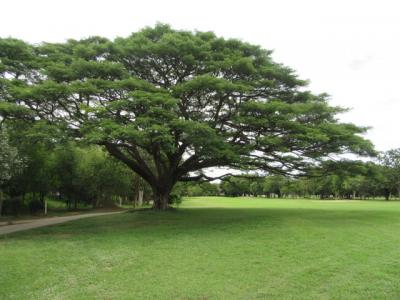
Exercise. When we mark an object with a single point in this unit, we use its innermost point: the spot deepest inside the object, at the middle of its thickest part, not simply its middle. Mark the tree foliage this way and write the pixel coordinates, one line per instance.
(390, 161)
(9, 159)
(10, 162)
(357, 181)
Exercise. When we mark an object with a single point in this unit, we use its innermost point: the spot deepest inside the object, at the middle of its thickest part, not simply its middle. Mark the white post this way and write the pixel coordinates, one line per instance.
(140, 198)
(45, 207)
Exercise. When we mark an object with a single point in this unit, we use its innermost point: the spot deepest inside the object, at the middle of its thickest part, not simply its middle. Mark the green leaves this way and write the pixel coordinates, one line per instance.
(11, 110)
(10, 162)
(16, 57)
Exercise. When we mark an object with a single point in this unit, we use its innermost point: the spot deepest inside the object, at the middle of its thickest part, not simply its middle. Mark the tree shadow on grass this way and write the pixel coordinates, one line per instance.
(201, 221)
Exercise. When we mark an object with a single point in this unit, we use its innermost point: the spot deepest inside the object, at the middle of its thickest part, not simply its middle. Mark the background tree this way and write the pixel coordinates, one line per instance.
(256, 186)
(196, 189)
(273, 185)
(235, 186)
(102, 180)
(391, 163)
(170, 104)
(10, 163)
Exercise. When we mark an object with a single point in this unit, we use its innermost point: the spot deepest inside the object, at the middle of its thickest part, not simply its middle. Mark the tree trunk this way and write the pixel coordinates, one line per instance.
(41, 197)
(1, 201)
(387, 194)
(134, 202)
(160, 200)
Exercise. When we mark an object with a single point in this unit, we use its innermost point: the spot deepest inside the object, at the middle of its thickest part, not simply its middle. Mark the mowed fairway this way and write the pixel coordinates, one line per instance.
(213, 248)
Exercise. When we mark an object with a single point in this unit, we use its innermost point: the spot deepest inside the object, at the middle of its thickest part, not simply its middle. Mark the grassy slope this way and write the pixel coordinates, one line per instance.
(213, 248)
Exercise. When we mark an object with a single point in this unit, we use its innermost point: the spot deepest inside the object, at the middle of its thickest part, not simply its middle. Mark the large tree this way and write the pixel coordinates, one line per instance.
(170, 104)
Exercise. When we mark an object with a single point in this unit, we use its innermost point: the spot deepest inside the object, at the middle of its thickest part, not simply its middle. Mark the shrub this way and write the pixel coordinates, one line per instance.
(13, 206)
(35, 206)
(175, 199)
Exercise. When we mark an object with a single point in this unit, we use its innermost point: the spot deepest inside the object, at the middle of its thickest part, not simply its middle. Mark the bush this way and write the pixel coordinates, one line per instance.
(175, 199)
(13, 206)
(35, 206)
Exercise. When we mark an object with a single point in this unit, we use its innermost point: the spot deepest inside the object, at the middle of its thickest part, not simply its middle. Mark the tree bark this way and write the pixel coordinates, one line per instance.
(160, 200)
(1, 201)
(386, 194)
(134, 201)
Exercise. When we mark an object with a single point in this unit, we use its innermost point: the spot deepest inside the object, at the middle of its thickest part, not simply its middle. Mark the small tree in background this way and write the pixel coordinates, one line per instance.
(391, 163)
(10, 163)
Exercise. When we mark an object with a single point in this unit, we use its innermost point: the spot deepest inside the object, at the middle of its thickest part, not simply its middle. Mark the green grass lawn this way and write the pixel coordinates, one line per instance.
(213, 248)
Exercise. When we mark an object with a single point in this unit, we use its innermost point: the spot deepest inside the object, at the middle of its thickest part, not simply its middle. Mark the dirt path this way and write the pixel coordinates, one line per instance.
(49, 221)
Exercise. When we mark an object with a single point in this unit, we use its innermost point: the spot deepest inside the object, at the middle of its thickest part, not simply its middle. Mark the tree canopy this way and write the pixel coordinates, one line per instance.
(170, 104)
(390, 161)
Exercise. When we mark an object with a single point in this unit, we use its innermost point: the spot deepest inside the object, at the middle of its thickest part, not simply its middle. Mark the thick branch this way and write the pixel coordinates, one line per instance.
(138, 168)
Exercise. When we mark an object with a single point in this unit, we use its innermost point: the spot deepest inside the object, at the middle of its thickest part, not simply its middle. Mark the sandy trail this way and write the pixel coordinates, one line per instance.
(49, 221)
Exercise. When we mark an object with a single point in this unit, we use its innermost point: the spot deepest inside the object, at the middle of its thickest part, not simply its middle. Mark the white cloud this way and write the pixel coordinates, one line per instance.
(359, 63)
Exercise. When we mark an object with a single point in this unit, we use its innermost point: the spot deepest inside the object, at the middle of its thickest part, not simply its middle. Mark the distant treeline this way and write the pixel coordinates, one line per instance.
(278, 186)
(352, 180)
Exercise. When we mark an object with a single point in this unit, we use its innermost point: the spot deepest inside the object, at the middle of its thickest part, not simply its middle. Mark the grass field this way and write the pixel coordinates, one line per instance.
(213, 248)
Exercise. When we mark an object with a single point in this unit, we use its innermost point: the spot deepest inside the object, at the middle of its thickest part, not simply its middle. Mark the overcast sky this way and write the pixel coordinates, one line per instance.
(349, 49)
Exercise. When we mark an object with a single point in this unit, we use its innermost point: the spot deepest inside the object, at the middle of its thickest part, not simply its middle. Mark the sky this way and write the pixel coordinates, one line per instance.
(348, 49)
